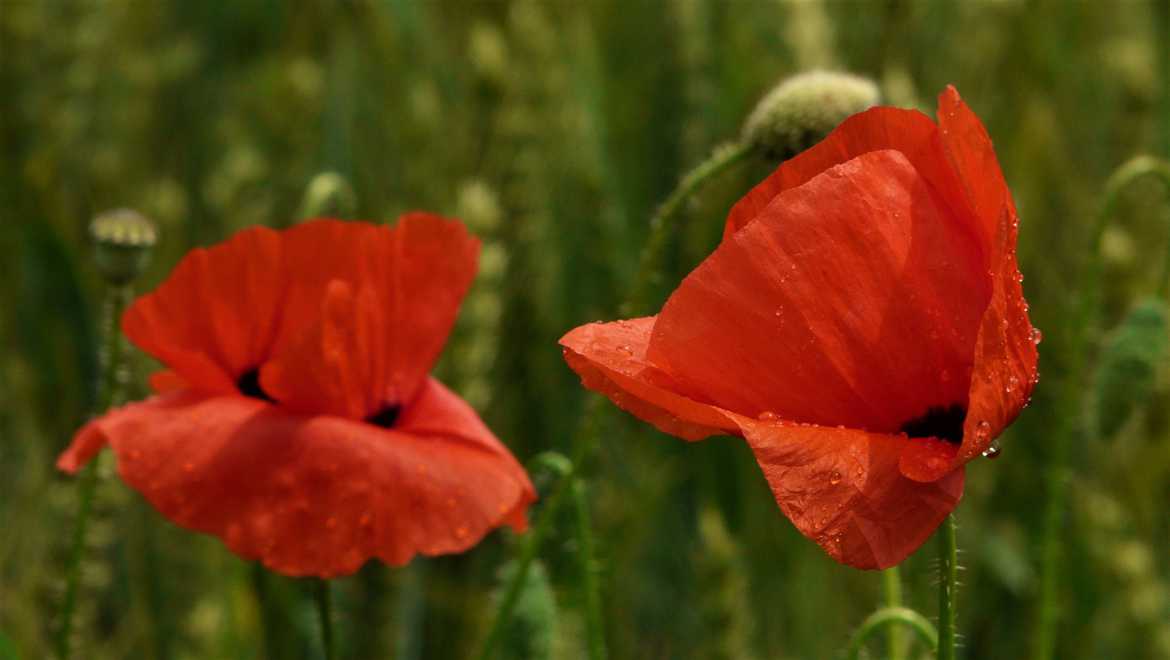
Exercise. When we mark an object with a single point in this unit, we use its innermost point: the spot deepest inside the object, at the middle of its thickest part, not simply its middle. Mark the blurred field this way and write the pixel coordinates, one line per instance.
(554, 129)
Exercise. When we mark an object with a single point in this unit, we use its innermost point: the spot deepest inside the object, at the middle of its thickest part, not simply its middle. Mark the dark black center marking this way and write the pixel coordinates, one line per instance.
(942, 422)
(385, 417)
(249, 385)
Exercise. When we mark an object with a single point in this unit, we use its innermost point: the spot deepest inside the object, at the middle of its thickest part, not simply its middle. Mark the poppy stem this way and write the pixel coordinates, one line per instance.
(594, 627)
(1083, 327)
(948, 572)
(323, 594)
(892, 588)
(662, 224)
(892, 617)
(109, 391)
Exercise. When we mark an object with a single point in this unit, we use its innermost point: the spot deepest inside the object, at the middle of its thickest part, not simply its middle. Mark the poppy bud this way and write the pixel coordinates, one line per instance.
(532, 630)
(801, 110)
(1129, 364)
(122, 241)
(328, 195)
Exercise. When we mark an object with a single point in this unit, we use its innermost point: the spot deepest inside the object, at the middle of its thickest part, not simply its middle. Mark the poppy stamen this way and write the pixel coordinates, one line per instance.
(942, 422)
(249, 385)
(385, 417)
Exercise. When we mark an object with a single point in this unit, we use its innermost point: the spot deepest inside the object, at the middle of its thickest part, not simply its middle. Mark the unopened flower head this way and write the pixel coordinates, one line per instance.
(801, 110)
(122, 239)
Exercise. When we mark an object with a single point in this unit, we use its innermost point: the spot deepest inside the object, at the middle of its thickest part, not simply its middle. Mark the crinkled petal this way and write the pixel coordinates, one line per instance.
(216, 315)
(610, 358)
(851, 300)
(842, 488)
(340, 365)
(1005, 351)
(315, 495)
(909, 132)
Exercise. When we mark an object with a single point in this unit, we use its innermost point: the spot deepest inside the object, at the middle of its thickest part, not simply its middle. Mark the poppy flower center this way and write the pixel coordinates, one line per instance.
(249, 385)
(942, 422)
(385, 417)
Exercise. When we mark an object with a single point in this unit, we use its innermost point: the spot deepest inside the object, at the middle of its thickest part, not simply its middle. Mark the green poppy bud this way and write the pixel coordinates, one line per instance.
(801, 110)
(122, 241)
(1126, 376)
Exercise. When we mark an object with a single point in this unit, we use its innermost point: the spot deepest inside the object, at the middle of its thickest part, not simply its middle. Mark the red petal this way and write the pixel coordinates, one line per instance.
(339, 367)
(907, 131)
(215, 316)
(851, 300)
(842, 489)
(611, 359)
(418, 273)
(1005, 352)
(315, 495)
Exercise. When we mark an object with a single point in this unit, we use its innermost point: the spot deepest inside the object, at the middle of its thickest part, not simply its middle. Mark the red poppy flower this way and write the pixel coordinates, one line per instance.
(861, 325)
(297, 421)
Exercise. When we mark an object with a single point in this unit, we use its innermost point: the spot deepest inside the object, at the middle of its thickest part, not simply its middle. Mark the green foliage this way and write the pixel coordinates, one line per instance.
(1130, 360)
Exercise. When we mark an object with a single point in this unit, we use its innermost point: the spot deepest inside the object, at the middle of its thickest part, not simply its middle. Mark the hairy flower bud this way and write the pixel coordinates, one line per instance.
(122, 240)
(802, 109)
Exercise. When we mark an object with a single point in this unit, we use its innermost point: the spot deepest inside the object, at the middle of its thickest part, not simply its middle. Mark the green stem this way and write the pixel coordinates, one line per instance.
(892, 617)
(892, 588)
(948, 573)
(323, 594)
(662, 224)
(594, 627)
(661, 227)
(1083, 326)
(109, 391)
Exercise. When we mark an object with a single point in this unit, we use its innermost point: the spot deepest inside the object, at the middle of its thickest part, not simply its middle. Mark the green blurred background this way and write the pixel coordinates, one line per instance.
(554, 129)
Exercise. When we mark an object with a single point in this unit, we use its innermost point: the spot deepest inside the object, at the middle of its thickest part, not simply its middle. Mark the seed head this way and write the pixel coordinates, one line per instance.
(122, 239)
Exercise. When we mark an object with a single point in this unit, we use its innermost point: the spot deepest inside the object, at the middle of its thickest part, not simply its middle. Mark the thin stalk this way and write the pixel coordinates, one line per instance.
(1083, 327)
(323, 595)
(117, 298)
(892, 618)
(948, 573)
(661, 227)
(892, 588)
(662, 224)
(594, 627)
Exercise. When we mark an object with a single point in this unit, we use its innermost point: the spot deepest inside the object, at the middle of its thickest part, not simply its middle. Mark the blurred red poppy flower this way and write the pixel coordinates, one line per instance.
(297, 420)
(861, 325)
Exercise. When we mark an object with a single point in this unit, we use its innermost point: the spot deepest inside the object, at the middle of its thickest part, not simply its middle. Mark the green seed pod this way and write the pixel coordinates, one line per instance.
(801, 110)
(1127, 372)
(531, 632)
(122, 241)
(328, 195)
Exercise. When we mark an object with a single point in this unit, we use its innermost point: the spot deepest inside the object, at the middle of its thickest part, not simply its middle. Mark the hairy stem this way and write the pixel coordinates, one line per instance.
(109, 391)
(948, 570)
(893, 618)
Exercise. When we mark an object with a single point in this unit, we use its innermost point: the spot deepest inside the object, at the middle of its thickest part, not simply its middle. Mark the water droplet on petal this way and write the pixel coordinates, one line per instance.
(768, 416)
(835, 478)
(982, 430)
(1037, 336)
(992, 450)
(625, 348)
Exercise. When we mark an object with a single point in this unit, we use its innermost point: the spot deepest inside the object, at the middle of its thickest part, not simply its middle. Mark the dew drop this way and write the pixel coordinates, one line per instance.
(835, 478)
(1037, 336)
(982, 430)
(188, 467)
(625, 348)
(1019, 277)
(330, 522)
(993, 451)
(768, 416)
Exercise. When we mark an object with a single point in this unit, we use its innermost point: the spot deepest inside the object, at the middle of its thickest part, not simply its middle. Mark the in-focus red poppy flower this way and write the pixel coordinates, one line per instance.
(861, 325)
(297, 420)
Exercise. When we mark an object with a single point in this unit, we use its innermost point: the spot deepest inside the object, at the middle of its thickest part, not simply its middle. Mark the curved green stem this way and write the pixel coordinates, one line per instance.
(661, 227)
(948, 573)
(323, 595)
(662, 223)
(594, 627)
(892, 588)
(1083, 326)
(109, 391)
(892, 617)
